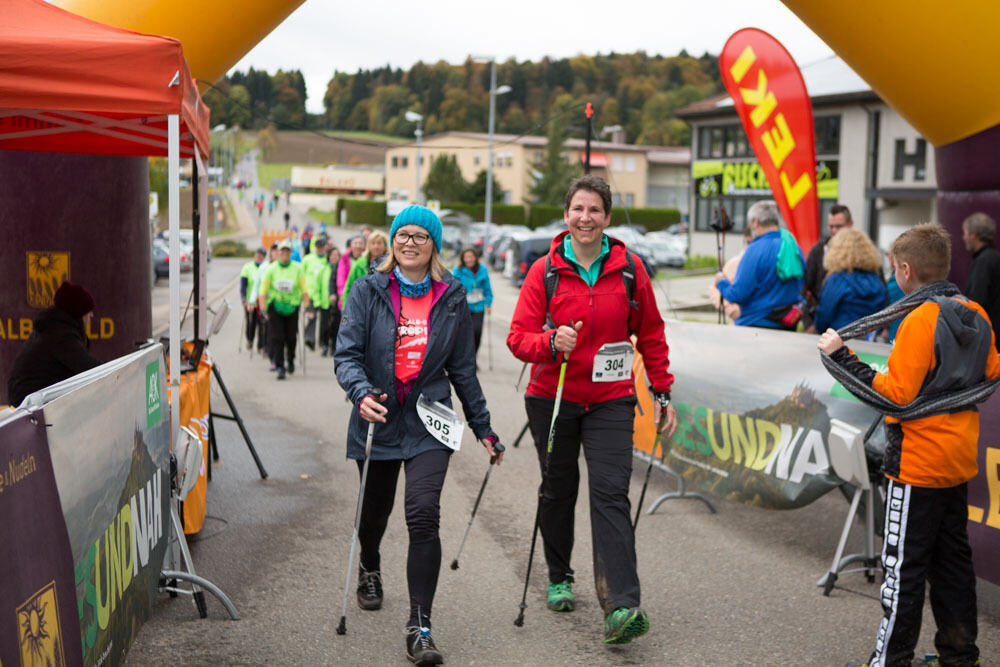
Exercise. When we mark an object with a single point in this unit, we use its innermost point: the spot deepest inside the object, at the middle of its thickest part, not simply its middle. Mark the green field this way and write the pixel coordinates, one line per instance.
(367, 136)
(266, 171)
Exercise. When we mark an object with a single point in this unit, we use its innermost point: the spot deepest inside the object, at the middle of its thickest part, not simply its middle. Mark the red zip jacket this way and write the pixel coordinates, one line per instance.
(606, 317)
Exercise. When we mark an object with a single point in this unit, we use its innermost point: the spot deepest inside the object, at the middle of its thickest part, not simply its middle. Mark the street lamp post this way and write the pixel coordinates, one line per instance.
(414, 117)
(494, 91)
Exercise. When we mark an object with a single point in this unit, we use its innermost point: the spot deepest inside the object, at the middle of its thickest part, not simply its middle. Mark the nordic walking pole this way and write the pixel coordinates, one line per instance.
(519, 621)
(498, 448)
(649, 468)
(342, 628)
(302, 339)
(520, 435)
(243, 330)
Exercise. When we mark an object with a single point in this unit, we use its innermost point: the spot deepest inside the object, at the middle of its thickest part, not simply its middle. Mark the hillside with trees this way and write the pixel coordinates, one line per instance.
(637, 91)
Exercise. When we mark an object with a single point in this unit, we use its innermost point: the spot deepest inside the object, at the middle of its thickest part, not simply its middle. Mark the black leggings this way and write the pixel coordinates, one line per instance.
(425, 475)
(477, 327)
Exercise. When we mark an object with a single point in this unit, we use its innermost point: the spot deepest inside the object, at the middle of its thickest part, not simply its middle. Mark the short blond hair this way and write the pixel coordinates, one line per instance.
(927, 249)
(851, 250)
(376, 234)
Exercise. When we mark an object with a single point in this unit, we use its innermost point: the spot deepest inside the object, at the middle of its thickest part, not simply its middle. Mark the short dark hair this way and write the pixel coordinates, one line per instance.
(838, 209)
(593, 184)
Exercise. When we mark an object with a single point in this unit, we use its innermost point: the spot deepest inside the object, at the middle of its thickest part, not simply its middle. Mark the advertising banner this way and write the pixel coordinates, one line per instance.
(746, 178)
(984, 494)
(754, 409)
(38, 613)
(109, 442)
(773, 104)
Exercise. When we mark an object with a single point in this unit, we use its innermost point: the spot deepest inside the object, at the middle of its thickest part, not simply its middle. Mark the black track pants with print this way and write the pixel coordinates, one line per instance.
(926, 541)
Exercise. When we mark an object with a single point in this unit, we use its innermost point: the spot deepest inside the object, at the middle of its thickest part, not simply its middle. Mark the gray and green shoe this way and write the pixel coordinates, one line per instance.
(623, 625)
(561, 596)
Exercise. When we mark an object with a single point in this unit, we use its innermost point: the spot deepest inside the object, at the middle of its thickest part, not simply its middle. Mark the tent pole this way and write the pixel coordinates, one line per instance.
(174, 224)
(196, 245)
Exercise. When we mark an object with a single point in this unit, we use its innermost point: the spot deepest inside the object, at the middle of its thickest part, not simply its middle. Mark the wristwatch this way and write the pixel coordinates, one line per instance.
(663, 398)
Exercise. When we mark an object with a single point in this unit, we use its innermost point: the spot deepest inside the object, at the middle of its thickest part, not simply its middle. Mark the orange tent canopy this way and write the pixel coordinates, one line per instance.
(71, 85)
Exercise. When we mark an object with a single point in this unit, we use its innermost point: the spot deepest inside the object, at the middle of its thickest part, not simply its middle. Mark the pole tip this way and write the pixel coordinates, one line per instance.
(342, 628)
(454, 564)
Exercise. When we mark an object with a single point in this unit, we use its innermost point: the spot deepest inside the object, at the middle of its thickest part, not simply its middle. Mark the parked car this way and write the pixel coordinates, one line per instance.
(187, 241)
(161, 259)
(495, 249)
(677, 241)
(664, 252)
(524, 249)
(636, 242)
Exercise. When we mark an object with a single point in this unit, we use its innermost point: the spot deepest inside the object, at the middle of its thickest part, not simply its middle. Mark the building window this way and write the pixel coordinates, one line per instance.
(827, 135)
(476, 157)
(509, 159)
(630, 199)
(539, 156)
(616, 163)
(395, 161)
(403, 161)
(630, 164)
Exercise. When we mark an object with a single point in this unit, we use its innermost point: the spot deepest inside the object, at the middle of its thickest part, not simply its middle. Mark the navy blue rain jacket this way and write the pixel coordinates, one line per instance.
(365, 358)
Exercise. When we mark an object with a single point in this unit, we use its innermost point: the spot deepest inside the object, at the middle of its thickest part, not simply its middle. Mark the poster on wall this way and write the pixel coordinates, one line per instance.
(774, 107)
(115, 494)
(38, 613)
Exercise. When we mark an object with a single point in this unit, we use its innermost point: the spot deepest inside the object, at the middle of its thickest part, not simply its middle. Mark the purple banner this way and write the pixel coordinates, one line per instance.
(39, 624)
(984, 495)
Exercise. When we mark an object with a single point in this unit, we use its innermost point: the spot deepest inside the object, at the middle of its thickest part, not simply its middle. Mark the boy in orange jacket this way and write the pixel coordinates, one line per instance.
(943, 345)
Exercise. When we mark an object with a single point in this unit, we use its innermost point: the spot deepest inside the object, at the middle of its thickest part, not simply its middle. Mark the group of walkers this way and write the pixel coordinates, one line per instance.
(410, 333)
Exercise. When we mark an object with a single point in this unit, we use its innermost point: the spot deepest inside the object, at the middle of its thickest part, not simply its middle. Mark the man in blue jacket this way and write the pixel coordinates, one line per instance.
(769, 278)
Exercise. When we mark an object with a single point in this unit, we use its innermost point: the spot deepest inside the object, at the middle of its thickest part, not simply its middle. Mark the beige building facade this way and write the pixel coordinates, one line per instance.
(640, 176)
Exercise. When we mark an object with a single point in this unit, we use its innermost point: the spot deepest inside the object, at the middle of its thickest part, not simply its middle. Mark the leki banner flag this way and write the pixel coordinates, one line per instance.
(773, 104)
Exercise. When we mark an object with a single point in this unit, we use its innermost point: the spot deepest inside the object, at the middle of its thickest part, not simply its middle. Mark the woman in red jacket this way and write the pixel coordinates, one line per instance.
(586, 316)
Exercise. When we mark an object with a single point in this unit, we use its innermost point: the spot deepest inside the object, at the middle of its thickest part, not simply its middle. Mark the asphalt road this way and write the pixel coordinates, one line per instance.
(733, 588)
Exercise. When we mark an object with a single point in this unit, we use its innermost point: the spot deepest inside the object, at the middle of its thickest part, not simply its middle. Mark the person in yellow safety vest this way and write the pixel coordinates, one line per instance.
(312, 264)
(282, 291)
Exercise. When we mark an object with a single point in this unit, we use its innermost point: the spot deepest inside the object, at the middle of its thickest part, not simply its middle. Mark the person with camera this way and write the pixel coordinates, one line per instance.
(769, 277)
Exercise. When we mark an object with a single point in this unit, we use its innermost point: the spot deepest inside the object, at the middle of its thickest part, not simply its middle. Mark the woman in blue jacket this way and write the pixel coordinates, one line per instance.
(853, 287)
(476, 281)
(407, 330)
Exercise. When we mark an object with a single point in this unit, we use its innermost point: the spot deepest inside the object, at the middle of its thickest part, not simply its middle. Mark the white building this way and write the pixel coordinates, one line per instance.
(867, 157)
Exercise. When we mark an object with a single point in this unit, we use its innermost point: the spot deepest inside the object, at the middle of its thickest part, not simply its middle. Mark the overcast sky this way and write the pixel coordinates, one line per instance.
(323, 36)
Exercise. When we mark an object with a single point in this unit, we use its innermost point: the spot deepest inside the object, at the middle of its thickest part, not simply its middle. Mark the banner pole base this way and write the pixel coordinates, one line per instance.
(681, 492)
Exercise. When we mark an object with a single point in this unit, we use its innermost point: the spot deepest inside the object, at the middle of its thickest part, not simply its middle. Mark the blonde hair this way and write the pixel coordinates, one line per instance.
(851, 250)
(437, 267)
(927, 249)
(376, 234)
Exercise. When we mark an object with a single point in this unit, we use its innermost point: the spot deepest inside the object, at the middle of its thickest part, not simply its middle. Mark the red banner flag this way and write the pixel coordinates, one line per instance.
(773, 104)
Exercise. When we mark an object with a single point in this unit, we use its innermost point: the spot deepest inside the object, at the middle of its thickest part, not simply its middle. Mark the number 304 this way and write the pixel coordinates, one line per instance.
(614, 364)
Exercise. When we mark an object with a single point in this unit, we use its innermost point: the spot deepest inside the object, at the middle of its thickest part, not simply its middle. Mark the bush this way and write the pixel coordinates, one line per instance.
(230, 248)
(502, 214)
(652, 219)
(363, 212)
(542, 214)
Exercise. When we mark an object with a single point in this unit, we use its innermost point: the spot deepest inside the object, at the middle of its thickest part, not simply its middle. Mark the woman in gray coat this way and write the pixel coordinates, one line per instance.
(406, 328)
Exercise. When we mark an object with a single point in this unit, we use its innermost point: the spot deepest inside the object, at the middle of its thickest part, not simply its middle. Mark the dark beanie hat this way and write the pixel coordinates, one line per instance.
(74, 299)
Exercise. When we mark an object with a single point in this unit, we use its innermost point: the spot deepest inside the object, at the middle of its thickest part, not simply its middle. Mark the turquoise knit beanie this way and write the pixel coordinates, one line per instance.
(422, 217)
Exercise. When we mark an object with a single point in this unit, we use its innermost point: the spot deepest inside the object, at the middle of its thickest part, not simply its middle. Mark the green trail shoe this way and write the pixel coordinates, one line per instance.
(623, 625)
(561, 596)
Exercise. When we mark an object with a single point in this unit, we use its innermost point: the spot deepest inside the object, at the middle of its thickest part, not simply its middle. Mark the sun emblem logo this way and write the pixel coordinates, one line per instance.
(38, 625)
(46, 272)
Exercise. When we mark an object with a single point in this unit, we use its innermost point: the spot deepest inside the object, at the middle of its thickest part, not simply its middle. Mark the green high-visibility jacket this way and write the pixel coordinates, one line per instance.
(283, 286)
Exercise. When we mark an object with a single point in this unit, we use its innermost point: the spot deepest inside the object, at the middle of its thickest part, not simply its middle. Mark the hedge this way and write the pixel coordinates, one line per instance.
(363, 212)
(652, 219)
(542, 214)
(503, 214)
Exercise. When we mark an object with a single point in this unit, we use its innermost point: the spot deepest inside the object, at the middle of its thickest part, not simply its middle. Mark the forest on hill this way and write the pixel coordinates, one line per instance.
(636, 91)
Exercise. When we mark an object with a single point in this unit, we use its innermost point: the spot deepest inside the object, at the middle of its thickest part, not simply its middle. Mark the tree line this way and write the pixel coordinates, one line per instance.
(637, 91)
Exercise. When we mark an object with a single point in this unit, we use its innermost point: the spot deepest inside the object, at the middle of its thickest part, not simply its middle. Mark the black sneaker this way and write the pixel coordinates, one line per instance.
(281, 373)
(420, 648)
(369, 589)
(291, 366)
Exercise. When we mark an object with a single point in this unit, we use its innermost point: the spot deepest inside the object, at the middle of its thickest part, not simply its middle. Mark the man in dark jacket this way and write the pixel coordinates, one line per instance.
(57, 348)
(983, 284)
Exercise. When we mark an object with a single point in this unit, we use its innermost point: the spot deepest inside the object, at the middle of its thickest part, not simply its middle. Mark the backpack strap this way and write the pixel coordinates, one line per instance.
(551, 279)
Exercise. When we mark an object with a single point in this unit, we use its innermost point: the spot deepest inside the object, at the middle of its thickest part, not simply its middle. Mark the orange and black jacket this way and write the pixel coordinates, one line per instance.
(942, 346)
